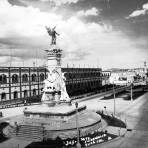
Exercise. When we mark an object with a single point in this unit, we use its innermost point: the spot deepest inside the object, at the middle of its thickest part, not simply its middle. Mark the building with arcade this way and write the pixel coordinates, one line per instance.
(25, 84)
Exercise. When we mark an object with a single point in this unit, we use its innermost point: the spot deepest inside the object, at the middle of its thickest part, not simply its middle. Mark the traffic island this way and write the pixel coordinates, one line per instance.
(112, 120)
(115, 125)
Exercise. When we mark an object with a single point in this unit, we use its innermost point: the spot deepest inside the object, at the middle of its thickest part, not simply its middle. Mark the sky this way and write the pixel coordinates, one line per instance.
(93, 33)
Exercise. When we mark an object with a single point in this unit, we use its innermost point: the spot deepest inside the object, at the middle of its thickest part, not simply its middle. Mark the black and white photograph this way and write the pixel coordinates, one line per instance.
(73, 73)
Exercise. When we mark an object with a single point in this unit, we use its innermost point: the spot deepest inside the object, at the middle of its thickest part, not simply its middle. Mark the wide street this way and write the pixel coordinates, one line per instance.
(137, 120)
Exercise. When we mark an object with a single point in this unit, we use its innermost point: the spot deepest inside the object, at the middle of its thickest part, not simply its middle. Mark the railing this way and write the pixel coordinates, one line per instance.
(19, 102)
(29, 101)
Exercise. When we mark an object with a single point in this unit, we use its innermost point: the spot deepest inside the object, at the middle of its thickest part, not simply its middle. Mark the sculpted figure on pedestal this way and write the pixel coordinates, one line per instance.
(53, 34)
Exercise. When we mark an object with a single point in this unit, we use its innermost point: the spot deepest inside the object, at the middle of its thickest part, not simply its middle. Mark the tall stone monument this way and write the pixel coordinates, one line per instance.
(41, 122)
(54, 89)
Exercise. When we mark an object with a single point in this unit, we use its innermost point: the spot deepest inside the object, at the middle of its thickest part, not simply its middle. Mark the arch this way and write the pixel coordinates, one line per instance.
(42, 77)
(66, 75)
(3, 96)
(33, 77)
(15, 94)
(42, 89)
(14, 78)
(24, 78)
(3, 79)
(70, 75)
(25, 93)
(99, 74)
(34, 92)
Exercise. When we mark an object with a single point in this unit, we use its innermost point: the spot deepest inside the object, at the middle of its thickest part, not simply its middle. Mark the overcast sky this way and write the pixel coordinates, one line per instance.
(106, 33)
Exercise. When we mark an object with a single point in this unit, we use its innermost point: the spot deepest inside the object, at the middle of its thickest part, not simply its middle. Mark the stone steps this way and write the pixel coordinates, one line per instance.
(27, 132)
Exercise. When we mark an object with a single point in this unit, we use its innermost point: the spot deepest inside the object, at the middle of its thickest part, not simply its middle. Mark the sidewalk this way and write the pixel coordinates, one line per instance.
(116, 130)
(11, 112)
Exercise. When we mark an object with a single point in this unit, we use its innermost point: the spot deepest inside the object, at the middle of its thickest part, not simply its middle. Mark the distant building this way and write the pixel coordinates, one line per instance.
(21, 84)
(127, 76)
(106, 77)
(122, 78)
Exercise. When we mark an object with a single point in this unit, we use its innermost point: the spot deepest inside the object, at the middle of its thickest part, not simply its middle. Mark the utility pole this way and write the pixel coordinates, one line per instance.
(145, 71)
(36, 62)
(105, 83)
(33, 64)
(114, 99)
(78, 145)
(10, 57)
(23, 62)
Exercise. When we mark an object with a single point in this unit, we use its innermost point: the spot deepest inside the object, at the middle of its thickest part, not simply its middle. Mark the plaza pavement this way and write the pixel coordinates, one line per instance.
(133, 112)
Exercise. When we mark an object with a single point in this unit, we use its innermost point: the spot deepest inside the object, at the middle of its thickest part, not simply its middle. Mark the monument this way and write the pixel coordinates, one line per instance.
(53, 34)
(55, 88)
(56, 116)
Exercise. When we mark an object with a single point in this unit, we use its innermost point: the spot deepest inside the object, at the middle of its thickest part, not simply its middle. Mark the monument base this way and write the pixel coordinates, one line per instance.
(49, 103)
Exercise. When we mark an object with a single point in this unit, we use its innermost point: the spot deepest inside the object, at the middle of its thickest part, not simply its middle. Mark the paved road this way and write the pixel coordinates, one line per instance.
(137, 120)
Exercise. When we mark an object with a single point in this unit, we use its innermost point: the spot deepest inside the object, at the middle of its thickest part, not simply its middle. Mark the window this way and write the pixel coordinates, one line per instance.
(42, 77)
(14, 78)
(70, 75)
(34, 92)
(3, 79)
(3, 96)
(25, 94)
(25, 78)
(33, 78)
(15, 95)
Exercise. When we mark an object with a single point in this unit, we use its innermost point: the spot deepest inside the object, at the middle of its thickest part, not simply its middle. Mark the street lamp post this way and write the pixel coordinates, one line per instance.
(77, 125)
(105, 109)
(105, 84)
(114, 99)
(131, 92)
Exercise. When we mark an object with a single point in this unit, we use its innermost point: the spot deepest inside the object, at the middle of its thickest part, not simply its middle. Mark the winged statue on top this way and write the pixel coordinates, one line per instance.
(53, 34)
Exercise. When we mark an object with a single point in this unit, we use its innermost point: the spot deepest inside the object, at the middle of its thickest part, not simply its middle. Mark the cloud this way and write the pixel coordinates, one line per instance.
(136, 13)
(93, 11)
(22, 29)
(17, 2)
(60, 2)
(4, 59)
(145, 6)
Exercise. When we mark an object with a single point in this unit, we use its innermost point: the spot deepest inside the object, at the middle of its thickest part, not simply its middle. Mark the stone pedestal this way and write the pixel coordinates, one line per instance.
(49, 103)
(55, 88)
(57, 97)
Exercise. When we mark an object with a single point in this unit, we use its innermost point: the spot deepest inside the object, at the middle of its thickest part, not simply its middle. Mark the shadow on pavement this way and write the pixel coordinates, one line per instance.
(2, 137)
